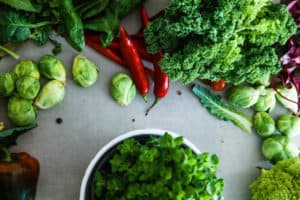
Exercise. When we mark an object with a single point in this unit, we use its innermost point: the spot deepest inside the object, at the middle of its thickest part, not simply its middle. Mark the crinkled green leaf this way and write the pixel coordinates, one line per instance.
(222, 110)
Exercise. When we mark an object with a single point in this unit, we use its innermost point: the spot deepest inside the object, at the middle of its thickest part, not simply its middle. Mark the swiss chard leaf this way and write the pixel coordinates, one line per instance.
(8, 137)
(222, 110)
(25, 5)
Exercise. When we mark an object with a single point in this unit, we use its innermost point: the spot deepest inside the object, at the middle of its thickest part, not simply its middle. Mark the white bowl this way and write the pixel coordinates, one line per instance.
(117, 140)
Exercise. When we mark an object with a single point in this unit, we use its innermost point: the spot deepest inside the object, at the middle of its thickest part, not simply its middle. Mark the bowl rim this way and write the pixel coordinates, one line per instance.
(117, 140)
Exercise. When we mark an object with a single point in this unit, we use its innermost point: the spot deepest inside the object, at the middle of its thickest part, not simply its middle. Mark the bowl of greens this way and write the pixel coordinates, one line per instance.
(151, 164)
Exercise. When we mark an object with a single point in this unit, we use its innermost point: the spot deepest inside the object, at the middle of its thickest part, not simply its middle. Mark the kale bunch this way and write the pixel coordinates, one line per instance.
(160, 169)
(232, 40)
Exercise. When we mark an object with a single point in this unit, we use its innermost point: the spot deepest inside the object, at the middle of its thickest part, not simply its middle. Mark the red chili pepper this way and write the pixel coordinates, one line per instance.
(144, 17)
(92, 37)
(105, 51)
(134, 63)
(115, 45)
(139, 36)
(112, 55)
(142, 49)
(162, 82)
(217, 85)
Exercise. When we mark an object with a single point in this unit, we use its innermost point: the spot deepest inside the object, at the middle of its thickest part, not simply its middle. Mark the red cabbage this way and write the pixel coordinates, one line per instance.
(290, 61)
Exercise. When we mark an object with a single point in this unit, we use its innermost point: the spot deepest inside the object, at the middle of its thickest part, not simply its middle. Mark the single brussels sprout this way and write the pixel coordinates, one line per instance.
(289, 125)
(85, 73)
(2, 127)
(27, 68)
(7, 84)
(50, 95)
(243, 96)
(52, 68)
(264, 124)
(27, 87)
(122, 89)
(290, 94)
(266, 101)
(278, 148)
(21, 112)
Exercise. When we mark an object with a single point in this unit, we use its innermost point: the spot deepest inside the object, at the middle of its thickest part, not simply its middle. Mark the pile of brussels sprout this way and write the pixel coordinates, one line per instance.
(22, 85)
(277, 134)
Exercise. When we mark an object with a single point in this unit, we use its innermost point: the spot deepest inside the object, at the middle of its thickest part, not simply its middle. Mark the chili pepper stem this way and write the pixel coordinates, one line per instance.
(145, 97)
(6, 156)
(153, 104)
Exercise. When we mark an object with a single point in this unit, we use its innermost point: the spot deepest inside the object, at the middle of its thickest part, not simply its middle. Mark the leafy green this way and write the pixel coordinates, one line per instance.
(159, 168)
(73, 25)
(282, 182)
(14, 27)
(22, 5)
(18, 27)
(222, 110)
(108, 21)
(226, 39)
(6, 50)
(91, 8)
(107, 26)
(8, 137)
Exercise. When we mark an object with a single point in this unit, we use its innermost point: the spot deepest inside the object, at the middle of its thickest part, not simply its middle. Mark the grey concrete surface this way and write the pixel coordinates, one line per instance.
(91, 119)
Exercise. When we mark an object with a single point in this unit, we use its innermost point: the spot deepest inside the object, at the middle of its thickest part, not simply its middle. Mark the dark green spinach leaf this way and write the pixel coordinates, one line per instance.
(107, 26)
(73, 25)
(25, 5)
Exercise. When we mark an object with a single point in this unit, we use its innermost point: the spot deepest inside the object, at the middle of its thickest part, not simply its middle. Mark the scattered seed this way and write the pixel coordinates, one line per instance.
(179, 92)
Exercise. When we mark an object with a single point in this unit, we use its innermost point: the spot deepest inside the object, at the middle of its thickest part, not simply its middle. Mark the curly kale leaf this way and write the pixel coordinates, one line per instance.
(257, 61)
(199, 61)
(227, 39)
(272, 24)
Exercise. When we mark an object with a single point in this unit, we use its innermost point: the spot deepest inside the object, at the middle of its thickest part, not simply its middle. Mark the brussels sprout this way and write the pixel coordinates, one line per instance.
(266, 101)
(7, 84)
(21, 112)
(85, 73)
(27, 87)
(50, 95)
(290, 94)
(243, 96)
(264, 124)
(278, 148)
(122, 89)
(26, 68)
(289, 125)
(2, 127)
(52, 68)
